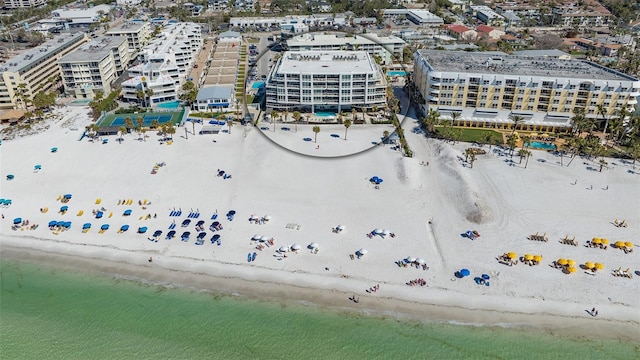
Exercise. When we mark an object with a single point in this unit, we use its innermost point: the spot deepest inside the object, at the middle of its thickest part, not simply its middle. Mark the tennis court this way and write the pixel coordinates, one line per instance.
(163, 117)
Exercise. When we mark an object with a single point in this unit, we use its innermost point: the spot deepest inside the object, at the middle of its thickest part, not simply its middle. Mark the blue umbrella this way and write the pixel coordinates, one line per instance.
(232, 212)
(17, 220)
(64, 208)
(38, 167)
(215, 237)
(52, 223)
(465, 272)
(104, 227)
(67, 224)
(10, 177)
(99, 214)
(486, 277)
(67, 196)
(86, 226)
(54, 149)
(157, 233)
(142, 230)
(124, 228)
(127, 212)
(60, 223)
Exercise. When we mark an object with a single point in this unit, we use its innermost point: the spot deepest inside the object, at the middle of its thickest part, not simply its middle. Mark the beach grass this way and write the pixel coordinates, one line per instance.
(473, 135)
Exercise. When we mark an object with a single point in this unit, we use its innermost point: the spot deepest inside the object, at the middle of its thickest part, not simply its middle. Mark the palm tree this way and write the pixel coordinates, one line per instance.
(488, 139)
(140, 96)
(149, 94)
(128, 122)
(230, 124)
(274, 115)
(347, 124)
(517, 120)
(354, 113)
(578, 120)
(467, 152)
(154, 124)
(170, 130)
(522, 153)
(602, 110)
(511, 142)
(123, 129)
(603, 163)
(528, 156)
(472, 158)
(296, 117)
(316, 130)
(385, 135)
(526, 142)
(455, 115)
(139, 122)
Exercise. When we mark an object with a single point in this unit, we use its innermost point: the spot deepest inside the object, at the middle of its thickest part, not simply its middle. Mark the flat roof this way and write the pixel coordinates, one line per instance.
(44, 51)
(214, 92)
(128, 27)
(331, 39)
(325, 62)
(94, 50)
(487, 63)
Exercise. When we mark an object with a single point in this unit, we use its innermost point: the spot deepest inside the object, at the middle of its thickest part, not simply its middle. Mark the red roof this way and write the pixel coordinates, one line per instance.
(458, 29)
(484, 29)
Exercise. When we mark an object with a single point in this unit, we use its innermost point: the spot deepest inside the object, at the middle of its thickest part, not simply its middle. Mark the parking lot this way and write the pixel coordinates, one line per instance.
(224, 65)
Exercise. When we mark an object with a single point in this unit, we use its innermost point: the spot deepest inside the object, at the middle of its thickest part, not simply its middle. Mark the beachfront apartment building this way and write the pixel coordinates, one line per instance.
(17, 4)
(386, 48)
(94, 66)
(485, 89)
(312, 81)
(35, 68)
(165, 63)
(138, 34)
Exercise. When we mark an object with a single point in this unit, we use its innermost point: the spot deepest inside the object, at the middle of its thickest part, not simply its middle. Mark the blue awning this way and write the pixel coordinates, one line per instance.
(225, 104)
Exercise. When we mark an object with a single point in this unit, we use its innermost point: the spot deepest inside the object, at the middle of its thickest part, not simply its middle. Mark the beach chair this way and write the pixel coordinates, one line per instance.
(80, 213)
(617, 272)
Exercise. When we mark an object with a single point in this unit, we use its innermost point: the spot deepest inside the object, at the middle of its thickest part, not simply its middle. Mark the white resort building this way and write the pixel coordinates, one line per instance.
(138, 33)
(94, 66)
(165, 64)
(486, 89)
(387, 48)
(335, 81)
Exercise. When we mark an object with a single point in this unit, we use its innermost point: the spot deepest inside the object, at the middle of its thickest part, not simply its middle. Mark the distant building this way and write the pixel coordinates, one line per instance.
(336, 81)
(485, 89)
(489, 32)
(230, 36)
(552, 54)
(417, 16)
(387, 48)
(35, 68)
(16, 4)
(82, 17)
(583, 14)
(511, 19)
(129, 2)
(94, 66)
(488, 16)
(461, 32)
(214, 99)
(137, 33)
(458, 5)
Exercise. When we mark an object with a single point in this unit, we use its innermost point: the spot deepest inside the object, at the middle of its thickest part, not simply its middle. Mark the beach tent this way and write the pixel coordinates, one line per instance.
(64, 208)
(256, 237)
(99, 214)
(67, 196)
(10, 177)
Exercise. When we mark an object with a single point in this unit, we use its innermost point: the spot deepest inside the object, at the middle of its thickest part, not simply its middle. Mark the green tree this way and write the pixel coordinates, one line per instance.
(347, 124)
(316, 130)
(274, 116)
(511, 142)
(128, 122)
(472, 158)
(455, 115)
(123, 129)
(517, 120)
(155, 123)
(603, 163)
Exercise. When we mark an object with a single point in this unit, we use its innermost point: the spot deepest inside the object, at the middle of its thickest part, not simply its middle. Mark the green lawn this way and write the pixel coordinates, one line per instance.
(473, 135)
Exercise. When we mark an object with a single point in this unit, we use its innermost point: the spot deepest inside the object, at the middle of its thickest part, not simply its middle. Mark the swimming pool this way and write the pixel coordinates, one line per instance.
(169, 105)
(257, 85)
(542, 145)
(396, 73)
(325, 113)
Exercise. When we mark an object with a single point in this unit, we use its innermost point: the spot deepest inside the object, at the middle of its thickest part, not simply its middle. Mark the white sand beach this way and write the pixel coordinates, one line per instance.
(427, 207)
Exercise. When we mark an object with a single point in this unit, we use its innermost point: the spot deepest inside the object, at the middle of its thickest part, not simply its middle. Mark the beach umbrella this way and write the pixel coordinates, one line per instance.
(60, 223)
(67, 224)
(265, 238)
(17, 220)
(86, 226)
(313, 245)
(465, 272)
(537, 258)
(599, 266)
(283, 249)
(562, 262)
(37, 167)
(267, 217)
(486, 277)
(10, 177)
(52, 223)
(215, 237)
(596, 241)
(619, 244)
(628, 244)
(295, 247)
(67, 196)
(104, 227)
(377, 231)
(362, 251)
(232, 212)
(512, 255)
(340, 227)
(589, 265)
(386, 232)
(571, 263)
(256, 237)
(528, 257)
(420, 261)
(124, 228)
(411, 259)
(571, 269)
(99, 214)
(604, 241)
(142, 230)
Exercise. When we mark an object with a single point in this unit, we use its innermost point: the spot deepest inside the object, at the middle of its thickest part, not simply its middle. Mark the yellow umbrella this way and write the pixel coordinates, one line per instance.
(605, 241)
(628, 244)
(596, 241)
(571, 269)
(562, 262)
(589, 265)
(533, 134)
(528, 257)
(619, 244)
(512, 255)
(545, 135)
(599, 266)
(571, 263)
(537, 258)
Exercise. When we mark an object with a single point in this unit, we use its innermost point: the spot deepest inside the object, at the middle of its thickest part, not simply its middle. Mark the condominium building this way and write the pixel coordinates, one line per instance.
(336, 81)
(387, 48)
(583, 14)
(34, 68)
(94, 66)
(15, 4)
(485, 89)
(138, 33)
(488, 16)
(165, 64)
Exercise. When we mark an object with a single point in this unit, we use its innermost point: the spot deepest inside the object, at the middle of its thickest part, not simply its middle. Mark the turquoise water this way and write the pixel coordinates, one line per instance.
(257, 85)
(325, 113)
(542, 145)
(396, 73)
(55, 314)
(169, 105)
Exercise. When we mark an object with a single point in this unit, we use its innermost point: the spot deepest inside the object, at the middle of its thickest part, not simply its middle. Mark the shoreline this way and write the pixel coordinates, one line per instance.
(332, 299)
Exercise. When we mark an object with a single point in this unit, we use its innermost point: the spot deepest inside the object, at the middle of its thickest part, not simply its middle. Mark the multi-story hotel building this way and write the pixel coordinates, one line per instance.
(387, 48)
(165, 64)
(485, 89)
(138, 34)
(35, 68)
(16, 4)
(94, 66)
(336, 81)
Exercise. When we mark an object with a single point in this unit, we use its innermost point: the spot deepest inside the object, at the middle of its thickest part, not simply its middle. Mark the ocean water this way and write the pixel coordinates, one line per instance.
(48, 313)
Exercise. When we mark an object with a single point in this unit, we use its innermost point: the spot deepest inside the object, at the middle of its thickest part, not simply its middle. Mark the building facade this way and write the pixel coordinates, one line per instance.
(387, 48)
(16, 4)
(164, 65)
(21, 77)
(486, 89)
(488, 16)
(82, 17)
(94, 66)
(214, 99)
(138, 34)
(336, 81)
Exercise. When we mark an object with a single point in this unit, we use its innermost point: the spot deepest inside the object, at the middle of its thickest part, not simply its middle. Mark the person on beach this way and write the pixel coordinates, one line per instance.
(150, 259)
